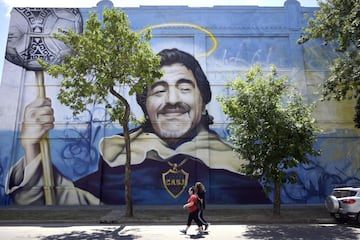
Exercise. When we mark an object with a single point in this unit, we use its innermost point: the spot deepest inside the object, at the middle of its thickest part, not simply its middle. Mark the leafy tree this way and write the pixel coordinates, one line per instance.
(337, 22)
(106, 57)
(271, 128)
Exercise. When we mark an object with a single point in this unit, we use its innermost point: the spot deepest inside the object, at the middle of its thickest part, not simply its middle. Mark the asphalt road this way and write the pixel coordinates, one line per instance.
(172, 232)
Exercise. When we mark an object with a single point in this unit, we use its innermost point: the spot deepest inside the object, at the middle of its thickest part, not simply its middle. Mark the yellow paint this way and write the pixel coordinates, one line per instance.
(189, 25)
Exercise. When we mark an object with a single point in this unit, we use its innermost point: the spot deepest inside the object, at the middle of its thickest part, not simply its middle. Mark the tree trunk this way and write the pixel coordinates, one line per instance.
(277, 200)
(125, 124)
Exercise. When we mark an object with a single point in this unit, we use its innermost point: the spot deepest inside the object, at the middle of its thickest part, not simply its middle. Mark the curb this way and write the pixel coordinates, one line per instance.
(156, 215)
(115, 217)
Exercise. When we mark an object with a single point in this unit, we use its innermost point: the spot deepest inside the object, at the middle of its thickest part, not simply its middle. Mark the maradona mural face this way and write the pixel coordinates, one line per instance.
(55, 158)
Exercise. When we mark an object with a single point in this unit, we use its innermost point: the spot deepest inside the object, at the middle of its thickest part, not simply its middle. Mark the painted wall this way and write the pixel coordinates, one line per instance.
(86, 150)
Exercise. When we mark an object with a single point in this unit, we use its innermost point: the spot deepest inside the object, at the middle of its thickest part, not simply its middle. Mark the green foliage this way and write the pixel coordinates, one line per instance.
(105, 55)
(337, 22)
(272, 128)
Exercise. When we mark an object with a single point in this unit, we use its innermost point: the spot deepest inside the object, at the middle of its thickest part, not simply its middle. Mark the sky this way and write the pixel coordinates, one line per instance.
(6, 5)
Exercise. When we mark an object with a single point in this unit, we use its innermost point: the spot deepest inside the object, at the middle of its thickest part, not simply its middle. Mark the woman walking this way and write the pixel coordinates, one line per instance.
(200, 191)
(191, 205)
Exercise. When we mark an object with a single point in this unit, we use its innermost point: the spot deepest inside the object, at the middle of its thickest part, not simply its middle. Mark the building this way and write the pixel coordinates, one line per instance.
(226, 40)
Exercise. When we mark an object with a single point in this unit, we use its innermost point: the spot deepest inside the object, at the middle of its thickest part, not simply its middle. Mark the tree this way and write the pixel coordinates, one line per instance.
(337, 22)
(106, 57)
(271, 128)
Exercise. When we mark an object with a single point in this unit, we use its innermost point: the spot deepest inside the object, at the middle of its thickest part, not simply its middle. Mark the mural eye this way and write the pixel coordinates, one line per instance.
(158, 90)
(185, 88)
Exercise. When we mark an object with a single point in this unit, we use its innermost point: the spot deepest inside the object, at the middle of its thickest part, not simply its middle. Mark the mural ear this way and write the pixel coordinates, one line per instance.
(209, 119)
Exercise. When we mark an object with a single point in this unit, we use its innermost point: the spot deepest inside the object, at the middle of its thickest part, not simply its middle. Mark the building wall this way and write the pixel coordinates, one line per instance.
(226, 40)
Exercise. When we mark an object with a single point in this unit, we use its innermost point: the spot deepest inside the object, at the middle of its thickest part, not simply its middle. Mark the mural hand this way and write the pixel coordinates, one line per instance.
(38, 120)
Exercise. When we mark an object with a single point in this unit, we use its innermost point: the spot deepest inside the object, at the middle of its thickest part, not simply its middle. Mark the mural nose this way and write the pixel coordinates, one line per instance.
(172, 96)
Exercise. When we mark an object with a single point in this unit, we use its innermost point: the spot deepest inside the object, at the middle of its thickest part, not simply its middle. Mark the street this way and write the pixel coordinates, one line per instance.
(172, 232)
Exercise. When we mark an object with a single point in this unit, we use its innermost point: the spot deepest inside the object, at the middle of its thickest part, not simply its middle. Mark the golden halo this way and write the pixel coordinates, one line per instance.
(190, 25)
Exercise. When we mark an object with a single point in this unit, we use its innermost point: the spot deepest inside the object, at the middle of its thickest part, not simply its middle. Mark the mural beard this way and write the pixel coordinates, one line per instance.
(172, 130)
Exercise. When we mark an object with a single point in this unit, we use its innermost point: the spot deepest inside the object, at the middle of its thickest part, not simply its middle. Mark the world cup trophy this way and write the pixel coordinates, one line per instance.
(31, 37)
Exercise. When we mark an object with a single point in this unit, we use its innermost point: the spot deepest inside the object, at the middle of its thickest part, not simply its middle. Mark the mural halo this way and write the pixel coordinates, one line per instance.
(189, 25)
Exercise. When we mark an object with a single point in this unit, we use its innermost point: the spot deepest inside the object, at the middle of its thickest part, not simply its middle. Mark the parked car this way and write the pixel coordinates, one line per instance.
(344, 204)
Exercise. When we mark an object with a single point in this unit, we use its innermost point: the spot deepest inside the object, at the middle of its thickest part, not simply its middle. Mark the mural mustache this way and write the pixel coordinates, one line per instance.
(175, 108)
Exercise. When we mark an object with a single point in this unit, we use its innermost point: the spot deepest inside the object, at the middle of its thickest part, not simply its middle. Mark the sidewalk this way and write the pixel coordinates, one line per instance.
(149, 214)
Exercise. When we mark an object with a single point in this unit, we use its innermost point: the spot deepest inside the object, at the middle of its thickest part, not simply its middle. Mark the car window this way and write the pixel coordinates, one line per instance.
(343, 193)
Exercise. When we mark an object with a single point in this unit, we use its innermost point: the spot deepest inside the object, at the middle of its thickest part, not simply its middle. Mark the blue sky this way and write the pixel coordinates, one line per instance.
(6, 5)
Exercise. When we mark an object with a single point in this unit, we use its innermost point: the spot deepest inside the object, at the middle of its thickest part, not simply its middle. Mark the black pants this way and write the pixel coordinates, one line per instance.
(201, 217)
(194, 216)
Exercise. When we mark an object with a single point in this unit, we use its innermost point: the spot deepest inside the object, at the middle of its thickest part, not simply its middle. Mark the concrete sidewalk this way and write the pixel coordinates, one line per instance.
(149, 214)
(224, 214)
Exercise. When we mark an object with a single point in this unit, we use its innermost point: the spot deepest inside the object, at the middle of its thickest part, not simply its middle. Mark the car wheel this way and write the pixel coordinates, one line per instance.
(341, 220)
(337, 219)
(332, 204)
(358, 218)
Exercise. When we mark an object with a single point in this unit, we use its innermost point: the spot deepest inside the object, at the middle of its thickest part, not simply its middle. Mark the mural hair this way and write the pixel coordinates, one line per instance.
(172, 56)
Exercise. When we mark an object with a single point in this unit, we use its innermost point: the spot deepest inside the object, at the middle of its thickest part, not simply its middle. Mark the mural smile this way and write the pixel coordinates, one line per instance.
(173, 114)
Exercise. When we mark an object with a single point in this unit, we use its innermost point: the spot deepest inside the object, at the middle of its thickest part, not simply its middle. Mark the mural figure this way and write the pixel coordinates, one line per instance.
(172, 148)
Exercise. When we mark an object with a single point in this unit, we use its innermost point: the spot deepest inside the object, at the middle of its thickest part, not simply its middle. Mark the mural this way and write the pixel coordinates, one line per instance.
(50, 157)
